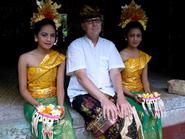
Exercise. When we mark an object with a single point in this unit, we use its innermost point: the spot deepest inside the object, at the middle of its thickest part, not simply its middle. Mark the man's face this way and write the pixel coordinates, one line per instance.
(92, 26)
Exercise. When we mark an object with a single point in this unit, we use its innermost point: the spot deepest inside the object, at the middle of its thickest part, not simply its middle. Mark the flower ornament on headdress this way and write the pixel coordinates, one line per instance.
(133, 12)
(47, 9)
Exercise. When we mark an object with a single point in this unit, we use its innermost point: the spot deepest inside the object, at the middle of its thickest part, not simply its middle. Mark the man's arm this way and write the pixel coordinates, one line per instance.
(124, 108)
(109, 108)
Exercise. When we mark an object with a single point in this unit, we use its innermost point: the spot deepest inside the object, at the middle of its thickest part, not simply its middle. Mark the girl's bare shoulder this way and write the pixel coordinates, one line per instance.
(124, 54)
(26, 56)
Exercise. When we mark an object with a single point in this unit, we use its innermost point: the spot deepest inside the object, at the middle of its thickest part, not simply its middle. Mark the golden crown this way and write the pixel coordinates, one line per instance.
(47, 9)
(133, 12)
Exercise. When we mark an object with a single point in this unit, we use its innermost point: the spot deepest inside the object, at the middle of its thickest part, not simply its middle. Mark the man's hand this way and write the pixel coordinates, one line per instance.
(123, 107)
(109, 110)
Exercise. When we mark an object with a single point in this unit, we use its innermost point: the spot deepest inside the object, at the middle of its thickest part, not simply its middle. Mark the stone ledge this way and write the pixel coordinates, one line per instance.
(14, 126)
(174, 117)
(15, 129)
(175, 108)
(13, 123)
(172, 101)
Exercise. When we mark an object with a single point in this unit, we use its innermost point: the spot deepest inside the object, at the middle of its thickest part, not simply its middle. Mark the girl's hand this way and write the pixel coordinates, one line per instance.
(138, 98)
(37, 104)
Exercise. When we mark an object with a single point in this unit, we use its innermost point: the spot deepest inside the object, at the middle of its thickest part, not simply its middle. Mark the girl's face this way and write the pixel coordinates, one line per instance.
(134, 37)
(46, 37)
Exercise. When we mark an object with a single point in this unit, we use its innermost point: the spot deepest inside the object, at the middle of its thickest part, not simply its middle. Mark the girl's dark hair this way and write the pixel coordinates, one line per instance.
(38, 25)
(132, 25)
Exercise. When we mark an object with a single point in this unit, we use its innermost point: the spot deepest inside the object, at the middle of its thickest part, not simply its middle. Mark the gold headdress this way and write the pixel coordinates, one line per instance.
(47, 9)
(133, 12)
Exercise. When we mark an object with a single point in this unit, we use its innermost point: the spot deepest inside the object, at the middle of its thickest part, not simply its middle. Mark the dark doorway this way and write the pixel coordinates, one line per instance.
(163, 38)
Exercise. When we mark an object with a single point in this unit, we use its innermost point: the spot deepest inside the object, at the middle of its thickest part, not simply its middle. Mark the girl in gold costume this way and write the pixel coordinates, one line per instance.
(41, 79)
(135, 78)
(135, 74)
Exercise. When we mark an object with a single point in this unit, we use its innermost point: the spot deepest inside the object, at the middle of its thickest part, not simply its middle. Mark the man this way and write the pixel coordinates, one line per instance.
(94, 64)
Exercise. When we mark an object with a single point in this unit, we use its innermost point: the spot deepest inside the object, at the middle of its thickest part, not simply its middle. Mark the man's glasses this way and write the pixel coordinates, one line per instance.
(93, 20)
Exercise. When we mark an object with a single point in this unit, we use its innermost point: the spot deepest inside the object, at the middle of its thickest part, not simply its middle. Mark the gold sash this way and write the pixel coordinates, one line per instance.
(42, 79)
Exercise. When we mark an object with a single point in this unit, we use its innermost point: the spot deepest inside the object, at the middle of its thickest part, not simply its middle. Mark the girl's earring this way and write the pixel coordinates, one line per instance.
(36, 40)
(55, 43)
(125, 39)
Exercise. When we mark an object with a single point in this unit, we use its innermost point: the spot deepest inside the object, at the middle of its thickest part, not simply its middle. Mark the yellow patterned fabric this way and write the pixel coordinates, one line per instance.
(42, 79)
(131, 75)
(132, 80)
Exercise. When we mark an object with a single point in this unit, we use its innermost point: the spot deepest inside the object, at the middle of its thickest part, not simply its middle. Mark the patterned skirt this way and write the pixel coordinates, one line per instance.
(102, 128)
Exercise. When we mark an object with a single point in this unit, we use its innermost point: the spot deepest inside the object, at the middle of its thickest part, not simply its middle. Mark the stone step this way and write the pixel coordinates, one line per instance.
(175, 108)
(20, 129)
(14, 126)
(15, 129)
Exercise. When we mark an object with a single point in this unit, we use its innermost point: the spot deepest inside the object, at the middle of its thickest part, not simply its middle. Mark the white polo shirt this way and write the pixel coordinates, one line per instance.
(97, 61)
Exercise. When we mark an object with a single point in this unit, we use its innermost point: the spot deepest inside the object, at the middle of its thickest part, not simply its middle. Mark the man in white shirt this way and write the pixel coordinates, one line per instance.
(94, 65)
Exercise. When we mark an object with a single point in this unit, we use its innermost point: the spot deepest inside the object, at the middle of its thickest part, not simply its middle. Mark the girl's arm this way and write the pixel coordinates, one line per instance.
(145, 80)
(134, 96)
(22, 76)
(60, 83)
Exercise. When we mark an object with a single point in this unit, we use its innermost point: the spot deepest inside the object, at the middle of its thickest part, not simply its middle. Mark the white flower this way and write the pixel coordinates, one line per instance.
(56, 112)
(51, 106)
(41, 108)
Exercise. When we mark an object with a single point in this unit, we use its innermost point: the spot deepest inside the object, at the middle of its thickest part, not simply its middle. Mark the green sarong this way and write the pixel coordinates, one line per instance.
(62, 130)
(152, 127)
